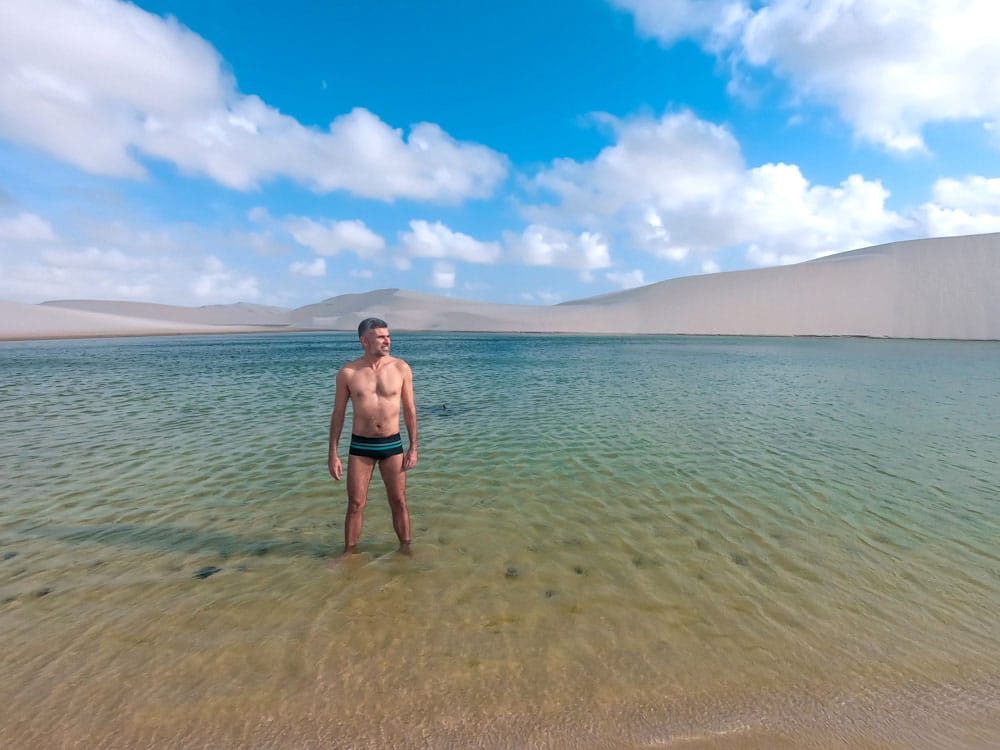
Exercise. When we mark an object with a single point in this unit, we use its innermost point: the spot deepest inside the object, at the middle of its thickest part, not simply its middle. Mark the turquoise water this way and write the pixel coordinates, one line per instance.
(619, 542)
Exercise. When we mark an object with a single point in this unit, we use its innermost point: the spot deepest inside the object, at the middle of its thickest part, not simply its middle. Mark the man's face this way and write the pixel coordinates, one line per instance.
(376, 341)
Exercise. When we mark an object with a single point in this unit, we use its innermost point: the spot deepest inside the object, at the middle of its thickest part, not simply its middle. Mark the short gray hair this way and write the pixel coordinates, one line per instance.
(368, 323)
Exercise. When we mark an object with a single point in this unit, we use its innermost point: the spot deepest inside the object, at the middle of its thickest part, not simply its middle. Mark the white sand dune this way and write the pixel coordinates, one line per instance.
(935, 288)
(240, 314)
(23, 321)
(427, 312)
(943, 288)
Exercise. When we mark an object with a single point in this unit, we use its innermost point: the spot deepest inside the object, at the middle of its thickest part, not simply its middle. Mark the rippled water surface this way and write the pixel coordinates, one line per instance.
(618, 542)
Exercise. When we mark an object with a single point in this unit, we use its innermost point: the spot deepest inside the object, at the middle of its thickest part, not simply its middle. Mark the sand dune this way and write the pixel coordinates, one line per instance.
(23, 321)
(935, 288)
(240, 314)
(943, 288)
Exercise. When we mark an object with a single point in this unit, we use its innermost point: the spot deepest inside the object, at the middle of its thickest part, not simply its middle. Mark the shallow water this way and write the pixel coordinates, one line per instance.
(619, 542)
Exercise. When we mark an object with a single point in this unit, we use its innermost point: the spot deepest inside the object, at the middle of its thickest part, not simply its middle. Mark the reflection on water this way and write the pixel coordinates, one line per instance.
(638, 542)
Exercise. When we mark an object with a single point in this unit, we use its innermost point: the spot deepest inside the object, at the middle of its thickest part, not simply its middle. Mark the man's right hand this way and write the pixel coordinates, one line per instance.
(336, 467)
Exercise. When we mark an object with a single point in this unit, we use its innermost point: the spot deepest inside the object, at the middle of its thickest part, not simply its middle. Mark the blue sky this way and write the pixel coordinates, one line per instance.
(192, 152)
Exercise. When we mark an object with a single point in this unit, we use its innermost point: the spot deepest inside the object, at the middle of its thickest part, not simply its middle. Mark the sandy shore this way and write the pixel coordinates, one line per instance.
(934, 288)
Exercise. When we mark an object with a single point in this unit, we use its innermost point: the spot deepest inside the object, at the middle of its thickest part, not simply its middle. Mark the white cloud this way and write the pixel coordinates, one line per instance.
(263, 244)
(889, 67)
(682, 159)
(969, 206)
(67, 273)
(96, 259)
(780, 212)
(219, 285)
(118, 234)
(540, 245)
(949, 222)
(652, 234)
(710, 266)
(627, 280)
(26, 227)
(312, 269)
(443, 276)
(671, 20)
(117, 261)
(979, 195)
(97, 83)
(334, 237)
(425, 240)
(678, 186)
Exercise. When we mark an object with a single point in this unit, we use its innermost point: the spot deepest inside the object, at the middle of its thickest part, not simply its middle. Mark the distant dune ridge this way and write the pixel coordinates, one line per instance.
(946, 288)
(239, 314)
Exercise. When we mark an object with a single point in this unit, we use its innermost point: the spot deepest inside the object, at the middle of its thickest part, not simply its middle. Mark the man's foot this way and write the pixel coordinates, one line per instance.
(348, 553)
(404, 549)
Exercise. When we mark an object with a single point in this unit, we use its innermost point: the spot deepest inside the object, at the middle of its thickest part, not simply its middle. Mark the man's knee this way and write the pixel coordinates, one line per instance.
(356, 504)
(397, 500)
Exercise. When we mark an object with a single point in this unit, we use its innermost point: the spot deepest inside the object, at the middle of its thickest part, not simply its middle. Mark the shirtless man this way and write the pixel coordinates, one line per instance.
(377, 384)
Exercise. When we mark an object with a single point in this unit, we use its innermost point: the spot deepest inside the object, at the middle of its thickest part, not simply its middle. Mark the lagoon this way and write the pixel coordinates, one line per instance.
(645, 541)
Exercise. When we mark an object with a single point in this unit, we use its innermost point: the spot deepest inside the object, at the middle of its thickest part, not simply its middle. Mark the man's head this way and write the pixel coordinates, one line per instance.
(368, 324)
(374, 335)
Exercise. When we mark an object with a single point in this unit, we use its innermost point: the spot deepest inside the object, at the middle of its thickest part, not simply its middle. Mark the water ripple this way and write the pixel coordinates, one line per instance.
(638, 542)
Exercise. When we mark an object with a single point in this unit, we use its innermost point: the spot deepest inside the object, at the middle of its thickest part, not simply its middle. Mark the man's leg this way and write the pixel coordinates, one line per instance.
(394, 478)
(359, 476)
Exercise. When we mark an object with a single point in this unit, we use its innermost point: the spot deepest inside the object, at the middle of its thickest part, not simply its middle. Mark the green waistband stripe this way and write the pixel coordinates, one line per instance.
(381, 444)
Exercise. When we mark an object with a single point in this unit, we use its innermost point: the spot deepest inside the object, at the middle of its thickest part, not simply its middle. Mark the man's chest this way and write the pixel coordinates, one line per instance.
(380, 383)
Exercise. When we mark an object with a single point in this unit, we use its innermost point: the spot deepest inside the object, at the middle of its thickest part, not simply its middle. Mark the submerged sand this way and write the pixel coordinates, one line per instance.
(943, 288)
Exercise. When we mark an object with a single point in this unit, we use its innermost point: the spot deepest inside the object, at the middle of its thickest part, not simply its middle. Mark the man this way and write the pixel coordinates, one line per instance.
(377, 385)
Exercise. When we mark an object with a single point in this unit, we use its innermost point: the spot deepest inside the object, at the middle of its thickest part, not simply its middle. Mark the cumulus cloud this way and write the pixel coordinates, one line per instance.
(333, 237)
(443, 276)
(888, 67)
(540, 245)
(97, 259)
(98, 83)
(217, 283)
(671, 20)
(65, 272)
(312, 269)
(25, 227)
(113, 260)
(426, 240)
(979, 195)
(677, 186)
(968, 206)
(679, 157)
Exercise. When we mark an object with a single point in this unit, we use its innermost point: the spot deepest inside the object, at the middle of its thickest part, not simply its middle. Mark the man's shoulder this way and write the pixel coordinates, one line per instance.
(361, 363)
(353, 365)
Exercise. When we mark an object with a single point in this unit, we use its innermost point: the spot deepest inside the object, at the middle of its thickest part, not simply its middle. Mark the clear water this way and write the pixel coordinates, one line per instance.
(618, 542)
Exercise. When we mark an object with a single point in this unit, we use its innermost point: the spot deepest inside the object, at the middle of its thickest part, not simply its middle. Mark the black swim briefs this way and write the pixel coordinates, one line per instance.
(376, 447)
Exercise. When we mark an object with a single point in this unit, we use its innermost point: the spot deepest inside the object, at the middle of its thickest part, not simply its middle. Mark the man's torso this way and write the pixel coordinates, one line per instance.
(375, 395)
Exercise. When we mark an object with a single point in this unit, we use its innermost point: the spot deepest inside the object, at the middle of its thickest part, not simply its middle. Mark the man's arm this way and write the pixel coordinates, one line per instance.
(341, 396)
(409, 417)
